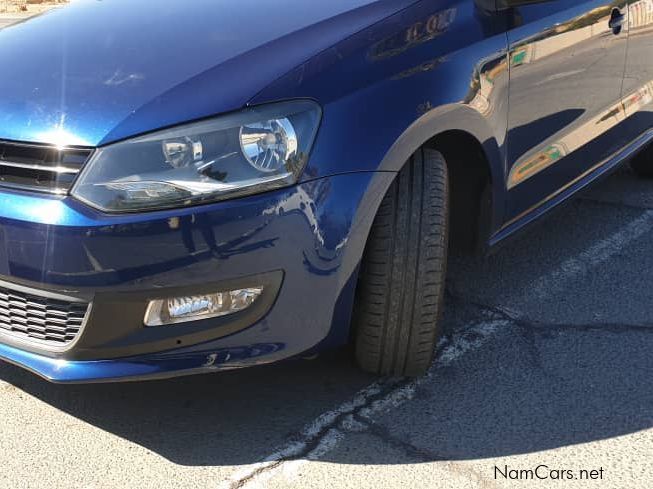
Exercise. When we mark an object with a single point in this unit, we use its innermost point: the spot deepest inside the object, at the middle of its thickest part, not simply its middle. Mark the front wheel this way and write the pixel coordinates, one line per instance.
(401, 285)
(642, 164)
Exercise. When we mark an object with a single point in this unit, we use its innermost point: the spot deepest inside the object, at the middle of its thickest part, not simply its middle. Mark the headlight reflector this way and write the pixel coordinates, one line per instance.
(269, 144)
(255, 150)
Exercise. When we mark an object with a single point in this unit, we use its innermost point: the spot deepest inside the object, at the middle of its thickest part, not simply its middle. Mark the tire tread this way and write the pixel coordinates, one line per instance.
(401, 285)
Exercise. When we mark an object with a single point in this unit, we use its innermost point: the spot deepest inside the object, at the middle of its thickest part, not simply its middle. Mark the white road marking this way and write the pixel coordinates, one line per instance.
(595, 255)
(327, 433)
(469, 340)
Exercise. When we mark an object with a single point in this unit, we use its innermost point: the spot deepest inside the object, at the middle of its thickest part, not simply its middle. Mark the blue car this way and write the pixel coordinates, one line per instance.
(191, 186)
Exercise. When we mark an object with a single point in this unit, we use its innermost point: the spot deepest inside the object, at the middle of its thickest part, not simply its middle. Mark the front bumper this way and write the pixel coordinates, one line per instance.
(304, 242)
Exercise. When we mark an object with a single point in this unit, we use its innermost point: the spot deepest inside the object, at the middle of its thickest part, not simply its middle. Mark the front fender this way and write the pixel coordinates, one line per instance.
(431, 68)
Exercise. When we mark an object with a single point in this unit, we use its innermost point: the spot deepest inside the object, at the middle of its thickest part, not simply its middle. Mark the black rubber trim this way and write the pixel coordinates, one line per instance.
(400, 291)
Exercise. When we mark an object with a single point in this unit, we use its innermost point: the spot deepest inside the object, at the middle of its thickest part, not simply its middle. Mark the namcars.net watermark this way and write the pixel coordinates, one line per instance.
(544, 472)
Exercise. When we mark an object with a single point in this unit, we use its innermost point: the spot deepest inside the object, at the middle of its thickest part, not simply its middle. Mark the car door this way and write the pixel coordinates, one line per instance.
(567, 62)
(638, 82)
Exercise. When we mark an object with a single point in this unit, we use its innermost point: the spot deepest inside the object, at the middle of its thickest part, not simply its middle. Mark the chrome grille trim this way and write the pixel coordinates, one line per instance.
(35, 166)
(41, 168)
(42, 320)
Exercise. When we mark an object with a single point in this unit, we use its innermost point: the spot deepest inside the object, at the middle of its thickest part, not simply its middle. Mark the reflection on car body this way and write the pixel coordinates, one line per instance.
(278, 184)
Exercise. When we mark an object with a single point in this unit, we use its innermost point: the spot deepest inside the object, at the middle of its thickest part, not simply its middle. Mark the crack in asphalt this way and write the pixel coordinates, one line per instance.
(407, 448)
(422, 455)
(309, 441)
(254, 474)
(542, 327)
(356, 415)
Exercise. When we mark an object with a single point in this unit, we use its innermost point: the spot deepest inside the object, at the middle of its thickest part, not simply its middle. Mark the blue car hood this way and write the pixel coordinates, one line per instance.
(96, 72)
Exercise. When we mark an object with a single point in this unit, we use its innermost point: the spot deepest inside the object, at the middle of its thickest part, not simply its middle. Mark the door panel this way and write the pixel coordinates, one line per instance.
(566, 72)
(638, 83)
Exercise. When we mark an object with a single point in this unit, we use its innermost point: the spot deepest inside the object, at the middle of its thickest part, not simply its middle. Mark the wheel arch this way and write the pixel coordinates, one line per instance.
(474, 159)
(457, 132)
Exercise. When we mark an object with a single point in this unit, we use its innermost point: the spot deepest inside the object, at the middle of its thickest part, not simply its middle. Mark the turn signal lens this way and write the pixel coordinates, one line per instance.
(175, 310)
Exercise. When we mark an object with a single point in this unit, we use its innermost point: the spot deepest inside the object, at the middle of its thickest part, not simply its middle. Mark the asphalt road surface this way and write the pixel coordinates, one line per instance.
(546, 361)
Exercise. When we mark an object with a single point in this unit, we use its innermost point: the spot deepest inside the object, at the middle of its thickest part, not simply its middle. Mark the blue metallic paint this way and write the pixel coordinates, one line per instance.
(315, 232)
(144, 367)
(565, 84)
(389, 74)
(109, 70)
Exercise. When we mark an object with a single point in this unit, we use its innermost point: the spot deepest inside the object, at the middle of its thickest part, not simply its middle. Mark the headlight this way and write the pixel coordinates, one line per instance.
(252, 151)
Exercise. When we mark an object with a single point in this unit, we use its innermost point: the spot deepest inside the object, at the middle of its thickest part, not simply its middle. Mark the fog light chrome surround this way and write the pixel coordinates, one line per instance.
(175, 310)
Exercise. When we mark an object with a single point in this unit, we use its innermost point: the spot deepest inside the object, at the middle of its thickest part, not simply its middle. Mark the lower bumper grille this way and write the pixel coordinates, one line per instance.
(48, 322)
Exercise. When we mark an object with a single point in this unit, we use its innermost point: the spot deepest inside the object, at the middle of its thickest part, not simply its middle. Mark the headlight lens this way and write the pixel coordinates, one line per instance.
(255, 150)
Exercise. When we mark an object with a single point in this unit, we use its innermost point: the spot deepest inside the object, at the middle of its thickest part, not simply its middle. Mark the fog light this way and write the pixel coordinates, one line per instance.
(194, 308)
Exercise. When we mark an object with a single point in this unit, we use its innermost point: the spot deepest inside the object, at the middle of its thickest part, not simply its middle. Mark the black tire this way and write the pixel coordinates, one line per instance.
(642, 164)
(401, 285)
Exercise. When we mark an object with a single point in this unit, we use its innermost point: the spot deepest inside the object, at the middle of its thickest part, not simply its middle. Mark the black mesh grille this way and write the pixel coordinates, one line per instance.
(31, 317)
(40, 168)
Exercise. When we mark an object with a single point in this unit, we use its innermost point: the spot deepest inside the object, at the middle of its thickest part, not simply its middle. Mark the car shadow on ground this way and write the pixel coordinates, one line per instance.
(542, 382)
(527, 390)
(229, 418)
